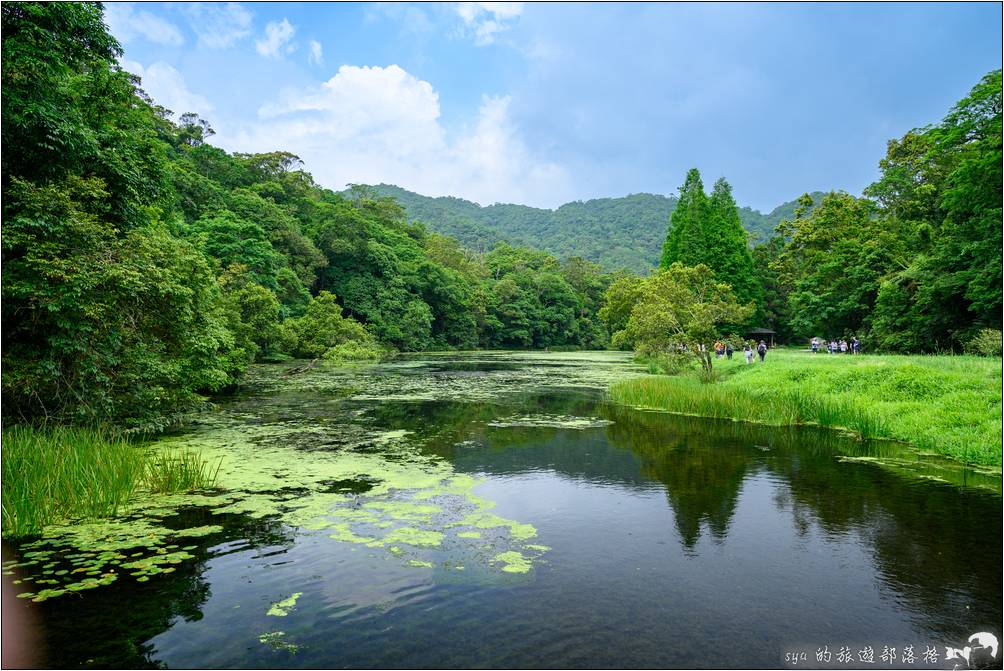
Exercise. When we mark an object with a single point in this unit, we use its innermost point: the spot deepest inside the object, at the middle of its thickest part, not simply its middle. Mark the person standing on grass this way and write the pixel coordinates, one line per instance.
(728, 350)
(749, 353)
(762, 350)
(856, 345)
(814, 344)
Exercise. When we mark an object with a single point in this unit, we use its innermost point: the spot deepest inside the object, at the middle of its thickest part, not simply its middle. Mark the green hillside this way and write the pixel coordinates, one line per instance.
(625, 232)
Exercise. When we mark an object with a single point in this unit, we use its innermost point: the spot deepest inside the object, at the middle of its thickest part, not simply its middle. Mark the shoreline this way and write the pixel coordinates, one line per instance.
(943, 406)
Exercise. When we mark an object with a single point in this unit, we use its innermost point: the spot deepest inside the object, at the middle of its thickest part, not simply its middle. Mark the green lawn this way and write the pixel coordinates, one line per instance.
(946, 405)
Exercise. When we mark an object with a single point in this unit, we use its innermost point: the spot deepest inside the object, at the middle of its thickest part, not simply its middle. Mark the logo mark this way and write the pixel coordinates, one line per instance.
(981, 653)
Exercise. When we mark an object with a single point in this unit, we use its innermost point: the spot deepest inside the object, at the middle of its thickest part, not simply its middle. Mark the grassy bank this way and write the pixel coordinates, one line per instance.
(946, 405)
(70, 473)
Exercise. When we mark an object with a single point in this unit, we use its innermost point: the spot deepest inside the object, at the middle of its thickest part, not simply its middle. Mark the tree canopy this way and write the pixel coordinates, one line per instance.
(682, 307)
(708, 231)
(146, 268)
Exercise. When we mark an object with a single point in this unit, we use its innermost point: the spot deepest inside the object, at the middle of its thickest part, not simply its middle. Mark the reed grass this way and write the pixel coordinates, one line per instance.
(63, 473)
(179, 472)
(946, 405)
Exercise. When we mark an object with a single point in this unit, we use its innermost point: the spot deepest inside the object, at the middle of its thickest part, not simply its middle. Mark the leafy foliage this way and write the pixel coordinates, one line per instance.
(322, 328)
(941, 187)
(919, 268)
(834, 263)
(708, 231)
(681, 307)
(986, 342)
(146, 269)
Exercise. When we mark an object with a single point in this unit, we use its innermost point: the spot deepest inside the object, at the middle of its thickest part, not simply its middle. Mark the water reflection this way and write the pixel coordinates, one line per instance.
(112, 627)
(934, 546)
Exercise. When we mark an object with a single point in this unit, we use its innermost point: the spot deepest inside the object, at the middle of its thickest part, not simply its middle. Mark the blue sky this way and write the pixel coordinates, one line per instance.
(541, 104)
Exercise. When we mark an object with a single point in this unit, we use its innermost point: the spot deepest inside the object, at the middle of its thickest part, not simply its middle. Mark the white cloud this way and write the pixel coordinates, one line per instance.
(277, 34)
(316, 56)
(126, 23)
(218, 25)
(485, 20)
(375, 124)
(167, 88)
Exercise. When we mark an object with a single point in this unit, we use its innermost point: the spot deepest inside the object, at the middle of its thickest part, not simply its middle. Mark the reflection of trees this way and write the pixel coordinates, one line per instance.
(441, 426)
(109, 627)
(936, 547)
(933, 545)
(702, 482)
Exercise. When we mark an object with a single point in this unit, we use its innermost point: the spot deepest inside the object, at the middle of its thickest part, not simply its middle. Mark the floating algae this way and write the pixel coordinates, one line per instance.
(413, 500)
(276, 641)
(412, 536)
(483, 520)
(282, 608)
(514, 562)
(538, 548)
(97, 551)
(342, 532)
(420, 563)
(303, 452)
(551, 421)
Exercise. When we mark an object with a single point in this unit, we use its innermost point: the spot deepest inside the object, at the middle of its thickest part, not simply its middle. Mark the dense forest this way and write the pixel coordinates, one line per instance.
(618, 233)
(146, 269)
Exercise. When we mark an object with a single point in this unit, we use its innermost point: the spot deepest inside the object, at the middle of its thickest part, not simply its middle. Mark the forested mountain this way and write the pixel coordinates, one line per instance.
(625, 232)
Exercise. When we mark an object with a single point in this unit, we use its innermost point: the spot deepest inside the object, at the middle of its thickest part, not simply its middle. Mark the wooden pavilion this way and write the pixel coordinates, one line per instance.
(761, 334)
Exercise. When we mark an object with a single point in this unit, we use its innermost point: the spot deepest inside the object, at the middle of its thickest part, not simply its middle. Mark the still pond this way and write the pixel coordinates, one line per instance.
(494, 510)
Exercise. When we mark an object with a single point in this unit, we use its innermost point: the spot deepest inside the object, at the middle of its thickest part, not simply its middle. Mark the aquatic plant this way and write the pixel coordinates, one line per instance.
(354, 482)
(181, 471)
(60, 473)
(276, 641)
(63, 473)
(282, 608)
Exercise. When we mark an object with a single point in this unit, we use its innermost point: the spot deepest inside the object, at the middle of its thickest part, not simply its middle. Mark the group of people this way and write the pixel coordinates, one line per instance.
(725, 349)
(834, 346)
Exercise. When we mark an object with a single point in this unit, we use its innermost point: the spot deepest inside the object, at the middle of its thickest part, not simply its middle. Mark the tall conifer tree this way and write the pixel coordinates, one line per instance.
(709, 231)
(683, 241)
(727, 251)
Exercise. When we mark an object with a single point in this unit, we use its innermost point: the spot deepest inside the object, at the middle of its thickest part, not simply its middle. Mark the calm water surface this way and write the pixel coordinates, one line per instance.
(660, 541)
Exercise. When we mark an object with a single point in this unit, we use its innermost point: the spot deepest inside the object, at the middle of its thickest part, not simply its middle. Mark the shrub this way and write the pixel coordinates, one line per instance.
(987, 342)
(353, 350)
(323, 328)
(671, 363)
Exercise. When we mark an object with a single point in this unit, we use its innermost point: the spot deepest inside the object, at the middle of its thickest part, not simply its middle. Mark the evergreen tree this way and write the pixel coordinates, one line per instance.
(726, 249)
(709, 231)
(683, 241)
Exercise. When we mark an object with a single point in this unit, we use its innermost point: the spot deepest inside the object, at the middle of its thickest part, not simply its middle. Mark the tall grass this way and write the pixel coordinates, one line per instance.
(948, 405)
(61, 473)
(179, 472)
